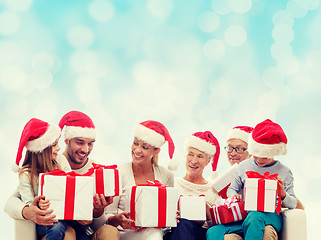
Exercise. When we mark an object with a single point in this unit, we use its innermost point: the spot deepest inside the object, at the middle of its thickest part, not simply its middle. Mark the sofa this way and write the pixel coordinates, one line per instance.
(294, 227)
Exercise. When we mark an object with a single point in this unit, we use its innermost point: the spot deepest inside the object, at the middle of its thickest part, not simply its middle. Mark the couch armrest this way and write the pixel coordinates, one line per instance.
(25, 229)
(294, 224)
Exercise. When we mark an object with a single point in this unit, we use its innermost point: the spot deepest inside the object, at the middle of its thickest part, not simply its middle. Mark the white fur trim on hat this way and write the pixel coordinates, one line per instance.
(266, 150)
(47, 139)
(236, 133)
(200, 144)
(149, 136)
(72, 132)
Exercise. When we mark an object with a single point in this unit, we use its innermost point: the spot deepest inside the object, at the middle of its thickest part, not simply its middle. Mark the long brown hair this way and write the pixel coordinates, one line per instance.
(36, 163)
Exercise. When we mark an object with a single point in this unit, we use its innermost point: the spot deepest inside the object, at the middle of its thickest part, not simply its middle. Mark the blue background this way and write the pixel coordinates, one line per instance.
(192, 65)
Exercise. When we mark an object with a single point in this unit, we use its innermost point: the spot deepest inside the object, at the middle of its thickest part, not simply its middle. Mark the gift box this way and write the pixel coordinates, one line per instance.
(223, 181)
(260, 192)
(192, 207)
(106, 180)
(227, 211)
(152, 205)
(69, 194)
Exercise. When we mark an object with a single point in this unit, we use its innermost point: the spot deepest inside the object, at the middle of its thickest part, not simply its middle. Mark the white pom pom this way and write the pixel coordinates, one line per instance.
(173, 165)
(15, 167)
(213, 176)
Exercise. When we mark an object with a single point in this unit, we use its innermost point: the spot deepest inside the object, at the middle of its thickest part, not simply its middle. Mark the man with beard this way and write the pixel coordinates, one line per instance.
(80, 135)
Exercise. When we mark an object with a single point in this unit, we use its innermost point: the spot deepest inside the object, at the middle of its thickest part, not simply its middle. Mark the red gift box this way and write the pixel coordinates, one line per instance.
(152, 204)
(106, 179)
(261, 191)
(69, 194)
(228, 211)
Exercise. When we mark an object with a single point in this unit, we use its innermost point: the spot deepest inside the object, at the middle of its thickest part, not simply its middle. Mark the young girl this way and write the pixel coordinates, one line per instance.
(41, 140)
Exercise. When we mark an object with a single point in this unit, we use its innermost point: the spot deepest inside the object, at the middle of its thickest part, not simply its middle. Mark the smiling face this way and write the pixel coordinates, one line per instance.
(263, 161)
(196, 161)
(235, 157)
(55, 149)
(78, 150)
(142, 152)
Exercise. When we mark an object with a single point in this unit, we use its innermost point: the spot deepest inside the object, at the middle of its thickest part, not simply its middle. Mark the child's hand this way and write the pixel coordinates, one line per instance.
(44, 204)
(283, 192)
(238, 197)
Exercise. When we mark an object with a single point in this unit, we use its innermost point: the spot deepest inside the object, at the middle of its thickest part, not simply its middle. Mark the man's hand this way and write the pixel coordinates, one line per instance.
(84, 222)
(238, 197)
(100, 202)
(37, 215)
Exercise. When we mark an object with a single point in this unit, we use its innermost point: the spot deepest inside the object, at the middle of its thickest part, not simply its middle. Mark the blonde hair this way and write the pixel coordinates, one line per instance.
(36, 163)
(155, 160)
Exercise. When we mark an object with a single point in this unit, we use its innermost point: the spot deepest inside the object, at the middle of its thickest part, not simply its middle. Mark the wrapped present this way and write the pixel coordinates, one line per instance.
(223, 181)
(152, 204)
(227, 211)
(106, 180)
(260, 192)
(69, 194)
(192, 207)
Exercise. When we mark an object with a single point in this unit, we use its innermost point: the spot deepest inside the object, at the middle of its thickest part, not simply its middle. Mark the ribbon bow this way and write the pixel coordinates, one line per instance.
(266, 175)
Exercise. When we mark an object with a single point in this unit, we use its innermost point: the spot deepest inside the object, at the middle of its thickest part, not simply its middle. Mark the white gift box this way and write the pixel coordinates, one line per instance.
(260, 194)
(107, 181)
(70, 196)
(222, 182)
(151, 207)
(192, 207)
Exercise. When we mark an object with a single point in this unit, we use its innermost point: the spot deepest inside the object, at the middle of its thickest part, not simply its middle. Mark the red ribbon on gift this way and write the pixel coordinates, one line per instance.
(162, 201)
(70, 189)
(99, 177)
(261, 188)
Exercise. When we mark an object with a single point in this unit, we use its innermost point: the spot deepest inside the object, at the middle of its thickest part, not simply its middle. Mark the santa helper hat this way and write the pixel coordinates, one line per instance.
(207, 143)
(239, 132)
(155, 134)
(36, 136)
(77, 124)
(267, 140)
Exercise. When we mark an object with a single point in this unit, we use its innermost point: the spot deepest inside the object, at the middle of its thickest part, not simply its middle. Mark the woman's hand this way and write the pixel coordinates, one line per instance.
(100, 202)
(122, 219)
(43, 203)
(283, 192)
(177, 216)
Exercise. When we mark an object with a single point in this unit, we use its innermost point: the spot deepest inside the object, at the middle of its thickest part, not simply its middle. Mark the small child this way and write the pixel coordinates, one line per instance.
(41, 140)
(266, 141)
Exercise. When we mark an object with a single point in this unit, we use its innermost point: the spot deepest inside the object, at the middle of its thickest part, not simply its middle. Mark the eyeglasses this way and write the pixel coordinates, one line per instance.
(237, 149)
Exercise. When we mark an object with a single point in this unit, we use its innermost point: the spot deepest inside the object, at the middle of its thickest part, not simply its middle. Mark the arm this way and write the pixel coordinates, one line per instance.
(287, 191)
(14, 206)
(236, 185)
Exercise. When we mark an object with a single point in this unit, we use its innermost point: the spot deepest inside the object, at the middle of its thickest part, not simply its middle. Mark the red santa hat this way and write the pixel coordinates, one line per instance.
(205, 142)
(267, 140)
(36, 136)
(240, 132)
(155, 134)
(77, 124)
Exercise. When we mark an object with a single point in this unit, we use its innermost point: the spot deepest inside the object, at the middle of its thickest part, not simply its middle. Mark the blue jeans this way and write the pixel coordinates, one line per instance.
(53, 232)
(186, 230)
(57, 231)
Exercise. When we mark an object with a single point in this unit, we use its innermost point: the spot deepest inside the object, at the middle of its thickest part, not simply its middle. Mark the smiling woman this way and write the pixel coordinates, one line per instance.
(201, 148)
(149, 137)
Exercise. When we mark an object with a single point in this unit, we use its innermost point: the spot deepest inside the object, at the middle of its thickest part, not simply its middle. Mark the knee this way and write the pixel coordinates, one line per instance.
(214, 232)
(232, 236)
(70, 234)
(254, 218)
(107, 232)
(270, 233)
